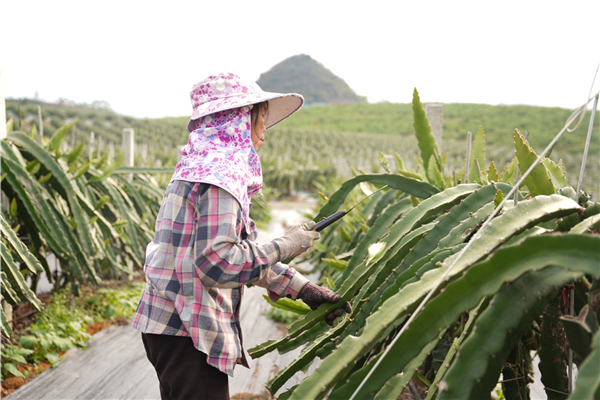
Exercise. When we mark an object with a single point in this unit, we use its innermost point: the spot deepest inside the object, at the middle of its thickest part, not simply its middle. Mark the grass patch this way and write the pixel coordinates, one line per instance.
(66, 322)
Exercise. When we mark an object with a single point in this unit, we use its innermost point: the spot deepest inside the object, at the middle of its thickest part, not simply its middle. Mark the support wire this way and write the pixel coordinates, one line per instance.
(587, 144)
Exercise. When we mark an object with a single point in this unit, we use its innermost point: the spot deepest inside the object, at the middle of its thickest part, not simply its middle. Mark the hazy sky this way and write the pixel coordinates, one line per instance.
(144, 56)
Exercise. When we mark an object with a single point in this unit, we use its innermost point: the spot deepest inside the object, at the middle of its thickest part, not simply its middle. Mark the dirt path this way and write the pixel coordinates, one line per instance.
(114, 365)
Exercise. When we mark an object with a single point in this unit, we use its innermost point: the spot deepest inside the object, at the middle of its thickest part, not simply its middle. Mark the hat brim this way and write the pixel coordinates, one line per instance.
(281, 106)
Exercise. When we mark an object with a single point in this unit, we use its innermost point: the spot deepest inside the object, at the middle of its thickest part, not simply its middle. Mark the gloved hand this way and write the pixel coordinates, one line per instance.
(297, 240)
(314, 295)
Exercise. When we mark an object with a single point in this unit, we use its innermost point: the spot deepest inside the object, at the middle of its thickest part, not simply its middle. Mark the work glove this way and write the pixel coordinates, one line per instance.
(297, 240)
(314, 295)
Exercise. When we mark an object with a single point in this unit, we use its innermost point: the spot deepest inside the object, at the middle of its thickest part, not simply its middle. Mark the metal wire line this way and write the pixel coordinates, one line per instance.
(571, 130)
(569, 121)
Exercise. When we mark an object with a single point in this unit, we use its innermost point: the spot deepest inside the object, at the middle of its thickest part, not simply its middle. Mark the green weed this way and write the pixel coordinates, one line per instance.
(11, 356)
(62, 323)
(279, 315)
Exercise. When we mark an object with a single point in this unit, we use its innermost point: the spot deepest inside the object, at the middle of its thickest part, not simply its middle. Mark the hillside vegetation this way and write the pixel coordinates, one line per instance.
(161, 136)
(361, 131)
(499, 122)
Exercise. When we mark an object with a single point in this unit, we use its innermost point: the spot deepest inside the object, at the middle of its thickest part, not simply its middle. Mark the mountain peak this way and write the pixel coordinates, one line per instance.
(302, 74)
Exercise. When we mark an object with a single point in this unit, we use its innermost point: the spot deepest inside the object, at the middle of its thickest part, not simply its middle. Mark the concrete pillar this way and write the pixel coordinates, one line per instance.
(391, 163)
(144, 153)
(91, 151)
(128, 146)
(435, 115)
(41, 128)
(8, 312)
(2, 107)
(73, 129)
(7, 308)
(111, 152)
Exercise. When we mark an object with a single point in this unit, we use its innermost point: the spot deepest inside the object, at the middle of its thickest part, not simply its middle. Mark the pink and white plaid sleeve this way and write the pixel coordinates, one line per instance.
(227, 257)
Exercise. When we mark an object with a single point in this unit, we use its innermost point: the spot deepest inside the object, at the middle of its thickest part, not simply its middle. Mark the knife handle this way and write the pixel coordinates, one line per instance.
(325, 222)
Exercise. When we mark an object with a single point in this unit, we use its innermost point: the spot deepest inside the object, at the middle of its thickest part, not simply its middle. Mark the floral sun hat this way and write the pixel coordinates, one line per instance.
(220, 152)
(225, 91)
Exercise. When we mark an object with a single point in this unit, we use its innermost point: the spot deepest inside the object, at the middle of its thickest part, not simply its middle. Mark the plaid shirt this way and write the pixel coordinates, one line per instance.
(196, 268)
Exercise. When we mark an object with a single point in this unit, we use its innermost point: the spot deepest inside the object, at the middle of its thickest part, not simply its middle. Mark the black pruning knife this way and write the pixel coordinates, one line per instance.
(326, 221)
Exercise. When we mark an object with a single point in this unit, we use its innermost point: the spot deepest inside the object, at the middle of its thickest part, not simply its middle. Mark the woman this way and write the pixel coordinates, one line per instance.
(204, 249)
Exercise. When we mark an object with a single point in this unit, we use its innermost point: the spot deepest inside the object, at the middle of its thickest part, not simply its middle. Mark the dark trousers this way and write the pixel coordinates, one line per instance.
(182, 370)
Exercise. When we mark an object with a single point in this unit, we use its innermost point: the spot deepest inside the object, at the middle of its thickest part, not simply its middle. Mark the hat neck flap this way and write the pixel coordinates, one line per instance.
(220, 152)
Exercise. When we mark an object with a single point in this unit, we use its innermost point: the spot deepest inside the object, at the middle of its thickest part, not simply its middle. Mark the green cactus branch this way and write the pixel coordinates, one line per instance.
(497, 330)
(506, 264)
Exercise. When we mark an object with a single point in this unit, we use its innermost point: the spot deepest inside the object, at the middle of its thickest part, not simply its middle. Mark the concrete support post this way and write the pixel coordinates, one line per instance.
(6, 308)
(144, 153)
(73, 130)
(8, 312)
(41, 129)
(128, 146)
(91, 152)
(435, 115)
(2, 107)
(111, 152)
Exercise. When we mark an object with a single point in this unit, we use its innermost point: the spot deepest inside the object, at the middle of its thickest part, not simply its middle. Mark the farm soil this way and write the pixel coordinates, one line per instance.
(406, 394)
(26, 311)
(409, 395)
(250, 396)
